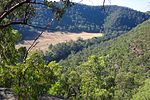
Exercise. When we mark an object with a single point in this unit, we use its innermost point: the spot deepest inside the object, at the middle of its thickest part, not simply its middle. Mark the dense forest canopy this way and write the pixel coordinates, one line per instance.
(126, 59)
(114, 21)
(113, 67)
(110, 20)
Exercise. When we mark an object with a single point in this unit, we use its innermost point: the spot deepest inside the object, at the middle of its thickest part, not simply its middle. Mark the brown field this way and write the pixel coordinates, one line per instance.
(58, 37)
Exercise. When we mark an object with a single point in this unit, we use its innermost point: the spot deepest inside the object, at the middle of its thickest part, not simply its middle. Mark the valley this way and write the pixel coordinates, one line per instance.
(85, 52)
(47, 39)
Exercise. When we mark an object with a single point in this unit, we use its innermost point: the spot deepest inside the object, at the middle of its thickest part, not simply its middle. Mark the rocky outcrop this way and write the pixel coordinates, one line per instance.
(7, 94)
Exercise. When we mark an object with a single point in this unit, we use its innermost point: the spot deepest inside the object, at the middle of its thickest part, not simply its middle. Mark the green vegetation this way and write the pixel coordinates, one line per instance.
(148, 12)
(91, 81)
(62, 50)
(28, 78)
(143, 91)
(111, 20)
(126, 59)
(97, 69)
(26, 74)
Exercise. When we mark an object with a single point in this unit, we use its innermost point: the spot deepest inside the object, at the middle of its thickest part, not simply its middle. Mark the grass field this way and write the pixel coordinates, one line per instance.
(58, 37)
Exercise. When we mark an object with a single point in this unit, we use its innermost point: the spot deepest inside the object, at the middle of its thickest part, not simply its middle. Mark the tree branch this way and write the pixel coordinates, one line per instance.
(7, 12)
(12, 23)
(35, 40)
(23, 23)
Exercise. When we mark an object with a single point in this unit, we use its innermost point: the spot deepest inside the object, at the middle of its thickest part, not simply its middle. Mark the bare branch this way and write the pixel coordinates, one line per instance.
(35, 40)
(103, 2)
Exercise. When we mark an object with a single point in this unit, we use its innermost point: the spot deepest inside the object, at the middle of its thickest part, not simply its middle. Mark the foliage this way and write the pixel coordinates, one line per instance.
(21, 12)
(28, 76)
(8, 40)
(148, 12)
(118, 70)
(89, 81)
(127, 58)
(62, 50)
(143, 91)
(111, 20)
(32, 78)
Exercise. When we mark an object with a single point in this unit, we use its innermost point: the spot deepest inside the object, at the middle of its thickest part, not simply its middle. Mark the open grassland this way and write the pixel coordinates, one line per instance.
(58, 37)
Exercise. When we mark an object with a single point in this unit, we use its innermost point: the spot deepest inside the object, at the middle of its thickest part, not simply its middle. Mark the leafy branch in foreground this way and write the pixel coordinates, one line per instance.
(20, 12)
(31, 79)
(28, 76)
(24, 74)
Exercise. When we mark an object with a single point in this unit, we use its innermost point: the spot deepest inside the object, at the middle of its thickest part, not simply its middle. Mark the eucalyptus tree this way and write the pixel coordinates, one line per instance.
(27, 75)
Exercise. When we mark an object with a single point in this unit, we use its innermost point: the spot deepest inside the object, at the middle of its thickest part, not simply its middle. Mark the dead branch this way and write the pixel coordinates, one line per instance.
(35, 40)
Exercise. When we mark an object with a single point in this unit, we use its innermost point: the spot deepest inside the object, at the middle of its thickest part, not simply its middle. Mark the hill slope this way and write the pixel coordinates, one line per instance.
(100, 19)
(110, 20)
(131, 48)
(126, 58)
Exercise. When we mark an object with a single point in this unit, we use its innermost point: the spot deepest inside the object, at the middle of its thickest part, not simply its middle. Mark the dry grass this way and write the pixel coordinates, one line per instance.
(58, 37)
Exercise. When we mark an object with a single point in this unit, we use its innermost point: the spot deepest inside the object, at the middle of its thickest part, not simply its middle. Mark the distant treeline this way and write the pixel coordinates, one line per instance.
(94, 19)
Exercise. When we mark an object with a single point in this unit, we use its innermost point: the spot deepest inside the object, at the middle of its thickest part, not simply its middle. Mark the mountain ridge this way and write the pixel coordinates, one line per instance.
(111, 20)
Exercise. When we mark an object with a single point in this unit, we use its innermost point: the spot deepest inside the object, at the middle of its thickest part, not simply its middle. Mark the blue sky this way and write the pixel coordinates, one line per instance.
(140, 5)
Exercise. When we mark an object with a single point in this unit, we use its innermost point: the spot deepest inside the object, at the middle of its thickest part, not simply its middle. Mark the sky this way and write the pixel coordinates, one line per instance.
(140, 5)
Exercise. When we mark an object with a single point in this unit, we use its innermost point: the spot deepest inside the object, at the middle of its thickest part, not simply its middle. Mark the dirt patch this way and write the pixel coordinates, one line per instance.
(58, 37)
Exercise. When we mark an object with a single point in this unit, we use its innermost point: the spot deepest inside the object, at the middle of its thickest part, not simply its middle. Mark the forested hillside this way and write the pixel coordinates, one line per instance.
(111, 20)
(122, 62)
(113, 67)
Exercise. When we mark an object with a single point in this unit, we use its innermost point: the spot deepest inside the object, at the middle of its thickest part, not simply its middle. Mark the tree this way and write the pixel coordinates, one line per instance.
(28, 76)
(19, 71)
(89, 81)
(143, 92)
(148, 12)
(30, 79)
(20, 11)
